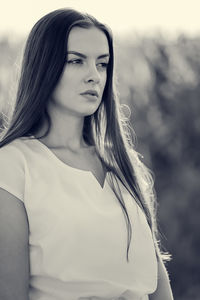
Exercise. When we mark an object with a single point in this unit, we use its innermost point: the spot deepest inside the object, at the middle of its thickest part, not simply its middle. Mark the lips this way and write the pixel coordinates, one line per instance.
(91, 93)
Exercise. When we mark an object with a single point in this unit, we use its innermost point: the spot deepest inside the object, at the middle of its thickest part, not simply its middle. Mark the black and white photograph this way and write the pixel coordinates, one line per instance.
(99, 150)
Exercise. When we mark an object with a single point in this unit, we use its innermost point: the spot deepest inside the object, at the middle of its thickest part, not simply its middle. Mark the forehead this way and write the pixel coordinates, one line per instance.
(88, 41)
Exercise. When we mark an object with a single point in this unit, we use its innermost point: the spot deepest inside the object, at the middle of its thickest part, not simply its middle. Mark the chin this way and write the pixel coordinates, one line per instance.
(90, 111)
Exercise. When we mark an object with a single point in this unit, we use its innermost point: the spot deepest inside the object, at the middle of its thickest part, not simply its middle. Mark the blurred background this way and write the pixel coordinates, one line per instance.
(158, 73)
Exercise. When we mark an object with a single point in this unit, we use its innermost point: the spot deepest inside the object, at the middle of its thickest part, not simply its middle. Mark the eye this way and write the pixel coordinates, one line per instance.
(103, 65)
(75, 61)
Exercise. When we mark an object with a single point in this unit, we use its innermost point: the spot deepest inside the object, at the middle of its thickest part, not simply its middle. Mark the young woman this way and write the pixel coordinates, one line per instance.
(77, 216)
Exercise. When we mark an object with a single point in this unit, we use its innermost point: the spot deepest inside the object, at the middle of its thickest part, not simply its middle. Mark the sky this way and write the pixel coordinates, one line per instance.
(141, 16)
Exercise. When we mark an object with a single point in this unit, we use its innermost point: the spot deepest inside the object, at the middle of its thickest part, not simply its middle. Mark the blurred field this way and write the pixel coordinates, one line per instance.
(159, 79)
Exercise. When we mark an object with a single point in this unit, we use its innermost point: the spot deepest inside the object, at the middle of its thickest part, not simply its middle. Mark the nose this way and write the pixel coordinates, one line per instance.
(92, 74)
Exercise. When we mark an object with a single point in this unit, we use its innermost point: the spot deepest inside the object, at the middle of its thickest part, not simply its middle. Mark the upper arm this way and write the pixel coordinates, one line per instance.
(14, 251)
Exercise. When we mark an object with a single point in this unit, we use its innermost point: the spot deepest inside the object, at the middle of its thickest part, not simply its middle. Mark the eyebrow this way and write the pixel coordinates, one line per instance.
(84, 56)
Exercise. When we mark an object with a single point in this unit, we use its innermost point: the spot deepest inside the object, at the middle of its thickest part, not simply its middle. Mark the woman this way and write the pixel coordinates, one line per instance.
(77, 217)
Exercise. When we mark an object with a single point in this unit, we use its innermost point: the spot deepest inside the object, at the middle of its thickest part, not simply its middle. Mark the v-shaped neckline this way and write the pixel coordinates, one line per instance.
(65, 165)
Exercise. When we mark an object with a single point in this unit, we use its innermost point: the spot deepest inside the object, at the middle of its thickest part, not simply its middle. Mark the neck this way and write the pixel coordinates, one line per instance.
(66, 132)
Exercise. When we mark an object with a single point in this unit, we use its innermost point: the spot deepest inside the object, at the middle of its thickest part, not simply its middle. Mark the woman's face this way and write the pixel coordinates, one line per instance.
(80, 88)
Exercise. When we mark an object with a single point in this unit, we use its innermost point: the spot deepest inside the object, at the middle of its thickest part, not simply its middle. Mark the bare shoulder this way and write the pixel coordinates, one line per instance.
(12, 211)
(14, 254)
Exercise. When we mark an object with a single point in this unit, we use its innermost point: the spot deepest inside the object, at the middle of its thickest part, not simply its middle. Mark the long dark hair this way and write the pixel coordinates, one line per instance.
(43, 63)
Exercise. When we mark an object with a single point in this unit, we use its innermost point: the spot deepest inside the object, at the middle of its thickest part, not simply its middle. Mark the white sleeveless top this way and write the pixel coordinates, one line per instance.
(78, 234)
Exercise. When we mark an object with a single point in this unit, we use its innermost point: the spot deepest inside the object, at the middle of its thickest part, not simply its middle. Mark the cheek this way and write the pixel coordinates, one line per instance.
(69, 77)
(64, 86)
(103, 80)
(67, 84)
